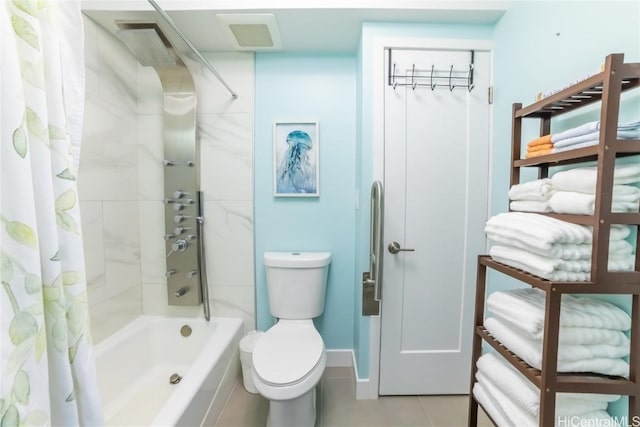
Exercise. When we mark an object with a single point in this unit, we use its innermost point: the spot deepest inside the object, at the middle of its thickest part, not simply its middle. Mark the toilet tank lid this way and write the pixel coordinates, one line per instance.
(297, 259)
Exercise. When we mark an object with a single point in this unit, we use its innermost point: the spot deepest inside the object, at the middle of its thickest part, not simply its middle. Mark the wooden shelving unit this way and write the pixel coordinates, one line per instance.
(604, 87)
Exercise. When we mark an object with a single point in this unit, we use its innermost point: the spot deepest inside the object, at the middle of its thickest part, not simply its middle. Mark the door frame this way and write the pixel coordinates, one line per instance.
(378, 46)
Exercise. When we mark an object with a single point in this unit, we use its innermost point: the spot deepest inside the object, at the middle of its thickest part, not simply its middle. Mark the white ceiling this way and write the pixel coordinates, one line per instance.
(305, 25)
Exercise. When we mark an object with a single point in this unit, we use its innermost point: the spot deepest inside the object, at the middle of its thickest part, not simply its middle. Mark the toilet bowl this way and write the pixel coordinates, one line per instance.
(290, 358)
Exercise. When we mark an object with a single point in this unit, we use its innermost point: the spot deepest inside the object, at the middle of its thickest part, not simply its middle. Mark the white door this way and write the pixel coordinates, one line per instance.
(436, 177)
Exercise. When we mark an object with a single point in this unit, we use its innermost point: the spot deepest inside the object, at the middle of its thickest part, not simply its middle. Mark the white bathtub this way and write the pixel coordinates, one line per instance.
(134, 366)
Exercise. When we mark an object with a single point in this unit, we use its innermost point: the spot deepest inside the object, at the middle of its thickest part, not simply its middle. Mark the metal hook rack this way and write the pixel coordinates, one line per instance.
(433, 78)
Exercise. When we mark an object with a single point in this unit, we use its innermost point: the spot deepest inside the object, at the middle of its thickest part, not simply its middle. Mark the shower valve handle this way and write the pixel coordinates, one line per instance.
(179, 246)
(183, 290)
(179, 218)
(168, 163)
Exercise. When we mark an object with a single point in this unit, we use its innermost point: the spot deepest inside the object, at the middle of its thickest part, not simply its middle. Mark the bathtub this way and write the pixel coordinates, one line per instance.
(135, 364)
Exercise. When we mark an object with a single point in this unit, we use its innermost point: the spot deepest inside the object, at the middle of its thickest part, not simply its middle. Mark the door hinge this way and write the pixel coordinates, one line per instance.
(490, 94)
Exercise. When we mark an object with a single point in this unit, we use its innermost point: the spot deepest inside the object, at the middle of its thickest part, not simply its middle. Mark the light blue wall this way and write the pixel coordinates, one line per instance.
(309, 88)
(541, 46)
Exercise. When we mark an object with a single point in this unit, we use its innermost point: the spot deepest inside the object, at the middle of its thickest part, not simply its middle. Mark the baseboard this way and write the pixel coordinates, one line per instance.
(339, 358)
(362, 384)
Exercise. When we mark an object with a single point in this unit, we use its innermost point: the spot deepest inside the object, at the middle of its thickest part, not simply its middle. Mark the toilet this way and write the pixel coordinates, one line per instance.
(289, 359)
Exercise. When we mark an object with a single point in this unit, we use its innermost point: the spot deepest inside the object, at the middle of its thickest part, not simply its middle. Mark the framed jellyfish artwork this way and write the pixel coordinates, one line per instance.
(296, 163)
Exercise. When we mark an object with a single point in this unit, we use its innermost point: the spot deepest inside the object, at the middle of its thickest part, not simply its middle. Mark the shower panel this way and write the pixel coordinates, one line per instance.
(182, 198)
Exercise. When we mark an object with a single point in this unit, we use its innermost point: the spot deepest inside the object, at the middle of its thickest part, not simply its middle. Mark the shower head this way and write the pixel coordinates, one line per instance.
(147, 42)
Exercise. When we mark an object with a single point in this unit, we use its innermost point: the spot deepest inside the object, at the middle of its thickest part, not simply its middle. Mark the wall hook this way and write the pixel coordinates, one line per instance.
(451, 85)
(431, 84)
(393, 77)
(413, 72)
(470, 84)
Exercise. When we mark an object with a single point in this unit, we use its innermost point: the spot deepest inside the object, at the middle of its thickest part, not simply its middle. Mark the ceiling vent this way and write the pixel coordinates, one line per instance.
(251, 31)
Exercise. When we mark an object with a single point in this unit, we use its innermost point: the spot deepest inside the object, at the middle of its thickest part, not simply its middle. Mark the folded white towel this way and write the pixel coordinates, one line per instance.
(572, 202)
(526, 307)
(541, 206)
(577, 140)
(524, 262)
(576, 131)
(573, 335)
(489, 404)
(591, 127)
(592, 136)
(516, 414)
(583, 180)
(527, 396)
(539, 189)
(545, 267)
(517, 417)
(566, 352)
(601, 359)
(537, 230)
(588, 143)
(566, 251)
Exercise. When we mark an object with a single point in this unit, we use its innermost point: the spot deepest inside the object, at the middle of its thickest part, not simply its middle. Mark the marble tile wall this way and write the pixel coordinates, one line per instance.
(121, 185)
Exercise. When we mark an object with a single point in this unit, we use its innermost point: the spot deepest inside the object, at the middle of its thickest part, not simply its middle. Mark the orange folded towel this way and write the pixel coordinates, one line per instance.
(539, 148)
(545, 139)
(531, 154)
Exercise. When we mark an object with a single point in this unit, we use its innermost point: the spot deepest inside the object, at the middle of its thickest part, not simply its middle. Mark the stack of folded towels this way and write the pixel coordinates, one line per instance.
(588, 134)
(539, 146)
(511, 400)
(581, 136)
(591, 337)
(573, 192)
(532, 196)
(553, 249)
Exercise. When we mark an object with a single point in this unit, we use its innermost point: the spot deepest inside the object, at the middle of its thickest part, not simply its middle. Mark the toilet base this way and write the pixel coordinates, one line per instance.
(299, 412)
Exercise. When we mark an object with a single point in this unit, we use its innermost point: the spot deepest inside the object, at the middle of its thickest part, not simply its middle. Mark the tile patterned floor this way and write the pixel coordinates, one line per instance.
(339, 407)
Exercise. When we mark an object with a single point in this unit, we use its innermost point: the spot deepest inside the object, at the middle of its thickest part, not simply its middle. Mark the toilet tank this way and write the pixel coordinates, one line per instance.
(296, 283)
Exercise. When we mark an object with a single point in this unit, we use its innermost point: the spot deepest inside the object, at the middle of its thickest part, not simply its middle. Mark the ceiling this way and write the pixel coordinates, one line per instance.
(304, 25)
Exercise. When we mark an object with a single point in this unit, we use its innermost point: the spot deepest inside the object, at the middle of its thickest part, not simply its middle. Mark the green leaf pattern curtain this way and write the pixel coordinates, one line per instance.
(48, 373)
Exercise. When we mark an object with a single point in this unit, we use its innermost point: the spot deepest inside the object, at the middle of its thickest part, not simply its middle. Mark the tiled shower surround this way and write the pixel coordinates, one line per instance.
(121, 185)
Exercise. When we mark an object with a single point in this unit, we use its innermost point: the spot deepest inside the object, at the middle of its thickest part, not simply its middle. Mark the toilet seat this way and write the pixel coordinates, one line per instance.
(288, 353)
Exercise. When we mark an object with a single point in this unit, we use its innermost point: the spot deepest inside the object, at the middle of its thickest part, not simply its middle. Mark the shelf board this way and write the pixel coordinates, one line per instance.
(565, 382)
(582, 93)
(579, 155)
(632, 218)
(625, 282)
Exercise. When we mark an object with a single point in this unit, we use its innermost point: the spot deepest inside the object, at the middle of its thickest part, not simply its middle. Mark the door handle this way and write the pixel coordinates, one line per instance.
(394, 248)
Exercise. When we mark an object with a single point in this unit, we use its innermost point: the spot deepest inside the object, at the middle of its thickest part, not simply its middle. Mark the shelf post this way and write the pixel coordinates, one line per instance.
(476, 349)
(611, 86)
(634, 357)
(516, 143)
(548, 374)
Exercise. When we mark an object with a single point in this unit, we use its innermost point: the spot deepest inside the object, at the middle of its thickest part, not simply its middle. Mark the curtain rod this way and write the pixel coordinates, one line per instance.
(184, 37)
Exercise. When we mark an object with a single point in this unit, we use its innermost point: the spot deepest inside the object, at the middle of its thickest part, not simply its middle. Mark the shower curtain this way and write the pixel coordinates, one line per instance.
(48, 374)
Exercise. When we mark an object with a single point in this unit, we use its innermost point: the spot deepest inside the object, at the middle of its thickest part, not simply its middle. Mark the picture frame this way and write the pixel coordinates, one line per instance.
(296, 160)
